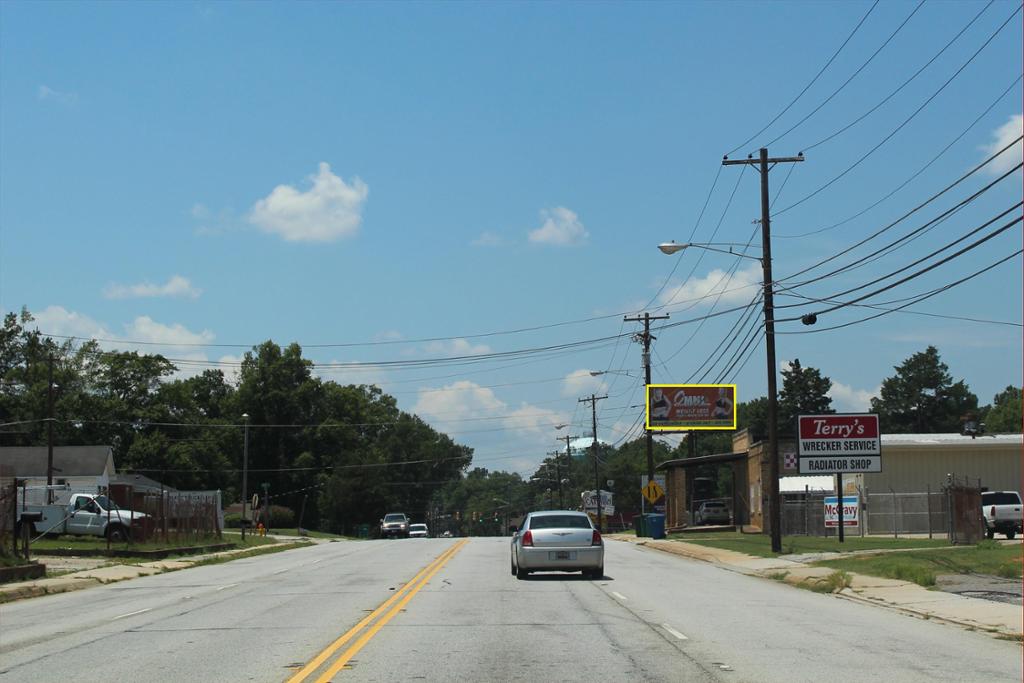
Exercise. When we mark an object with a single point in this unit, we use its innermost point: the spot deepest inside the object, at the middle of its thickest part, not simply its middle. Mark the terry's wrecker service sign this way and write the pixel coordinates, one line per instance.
(837, 444)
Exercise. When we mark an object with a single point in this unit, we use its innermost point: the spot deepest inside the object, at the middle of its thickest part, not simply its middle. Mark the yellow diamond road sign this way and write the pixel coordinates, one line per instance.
(652, 492)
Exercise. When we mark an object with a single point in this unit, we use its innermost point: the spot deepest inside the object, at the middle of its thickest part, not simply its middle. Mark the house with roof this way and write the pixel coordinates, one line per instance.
(80, 467)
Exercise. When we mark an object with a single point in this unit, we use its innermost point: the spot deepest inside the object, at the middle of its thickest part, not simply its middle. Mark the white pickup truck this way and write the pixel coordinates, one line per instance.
(83, 514)
(1002, 512)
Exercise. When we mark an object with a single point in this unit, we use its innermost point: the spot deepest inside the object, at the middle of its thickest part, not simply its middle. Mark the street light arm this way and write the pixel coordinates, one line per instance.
(673, 247)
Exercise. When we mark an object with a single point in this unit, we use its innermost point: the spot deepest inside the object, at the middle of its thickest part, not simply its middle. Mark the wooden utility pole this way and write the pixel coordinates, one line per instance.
(49, 429)
(764, 164)
(593, 447)
(568, 465)
(646, 338)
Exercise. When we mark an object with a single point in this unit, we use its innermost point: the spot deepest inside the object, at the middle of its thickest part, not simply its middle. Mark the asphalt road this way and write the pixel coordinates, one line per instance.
(444, 610)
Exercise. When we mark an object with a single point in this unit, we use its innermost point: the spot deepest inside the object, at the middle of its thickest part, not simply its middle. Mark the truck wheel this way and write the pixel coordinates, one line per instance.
(991, 533)
(1010, 534)
(117, 534)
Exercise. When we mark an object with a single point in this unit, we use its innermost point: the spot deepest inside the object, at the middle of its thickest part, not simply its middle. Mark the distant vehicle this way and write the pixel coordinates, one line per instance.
(557, 540)
(81, 514)
(446, 534)
(1002, 512)
(712, 512)
(418, 531)
(394, 525)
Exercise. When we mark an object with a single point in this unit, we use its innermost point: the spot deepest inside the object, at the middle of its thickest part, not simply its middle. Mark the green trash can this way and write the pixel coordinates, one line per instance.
(364, 531)
(640, 525)
(656, 525)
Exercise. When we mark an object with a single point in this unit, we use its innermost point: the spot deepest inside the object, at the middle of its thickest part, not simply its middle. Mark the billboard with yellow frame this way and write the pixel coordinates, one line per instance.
(685, 407)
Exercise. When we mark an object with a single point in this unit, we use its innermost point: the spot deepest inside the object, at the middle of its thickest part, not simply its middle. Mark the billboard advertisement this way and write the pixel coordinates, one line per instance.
(683, 407)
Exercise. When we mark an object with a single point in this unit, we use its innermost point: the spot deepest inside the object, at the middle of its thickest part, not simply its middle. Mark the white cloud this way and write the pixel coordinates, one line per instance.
(1002, 137)
(200, 211)
(60, 321)
(581, 382)
(166, 340)
(45, 93)
(454, 407)
(561, 227)
(488, 239)
(388, 335)
(847, 399)
(456, 347)
(176, 286)
(146, 329)
(331, 209)
(739, 289)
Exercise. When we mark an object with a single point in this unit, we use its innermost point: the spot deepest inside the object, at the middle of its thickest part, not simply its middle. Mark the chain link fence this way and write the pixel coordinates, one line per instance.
(8, 505)
(889, 514)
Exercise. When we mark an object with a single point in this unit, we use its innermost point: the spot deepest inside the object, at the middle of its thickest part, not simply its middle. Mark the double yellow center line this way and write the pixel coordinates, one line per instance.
(373, 622)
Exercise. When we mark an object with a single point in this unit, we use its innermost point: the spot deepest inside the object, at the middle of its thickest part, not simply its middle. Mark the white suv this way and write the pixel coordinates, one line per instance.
(394, 525)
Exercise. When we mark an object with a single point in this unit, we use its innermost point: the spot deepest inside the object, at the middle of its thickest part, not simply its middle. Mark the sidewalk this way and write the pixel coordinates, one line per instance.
(997, 618)
(87, 578)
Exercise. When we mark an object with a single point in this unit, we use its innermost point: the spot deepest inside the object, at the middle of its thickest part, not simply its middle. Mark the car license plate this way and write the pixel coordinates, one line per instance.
(561, 555)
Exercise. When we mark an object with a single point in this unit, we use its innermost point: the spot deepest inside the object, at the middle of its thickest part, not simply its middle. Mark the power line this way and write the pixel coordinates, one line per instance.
(692, 233)
(881, 307)
(852, 76)
(918, 300)
(914, 175)
(813, 80)
(903, 85)
(906, 215)
(922, 259)
(905, 121)
(931, 267)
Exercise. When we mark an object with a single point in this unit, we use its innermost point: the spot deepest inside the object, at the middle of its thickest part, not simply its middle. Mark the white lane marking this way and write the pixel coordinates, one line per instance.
(316, 561)
(230, 585)
(282, 571)
(677, 634)
(620, 596)
(132, 614)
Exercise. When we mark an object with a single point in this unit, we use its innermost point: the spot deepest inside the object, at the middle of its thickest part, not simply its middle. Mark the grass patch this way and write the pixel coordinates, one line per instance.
(778, 576)
(922, 566)
(761, 546)
(307, 533)
(833, 583)
(95, 543)
(252, 552)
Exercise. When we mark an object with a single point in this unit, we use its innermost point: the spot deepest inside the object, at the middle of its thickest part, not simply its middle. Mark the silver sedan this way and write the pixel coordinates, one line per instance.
(557, 540)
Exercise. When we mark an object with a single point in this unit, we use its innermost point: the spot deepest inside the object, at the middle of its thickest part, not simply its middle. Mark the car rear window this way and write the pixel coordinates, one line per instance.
(1000, 498)
(559, 522)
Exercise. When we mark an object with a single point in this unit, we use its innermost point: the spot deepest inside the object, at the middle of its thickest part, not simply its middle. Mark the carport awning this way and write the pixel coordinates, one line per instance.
(687, 463)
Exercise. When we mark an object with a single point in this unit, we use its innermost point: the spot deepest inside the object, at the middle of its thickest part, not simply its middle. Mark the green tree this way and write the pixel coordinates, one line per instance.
(922, 397)
(1004, 416)
(804, 392)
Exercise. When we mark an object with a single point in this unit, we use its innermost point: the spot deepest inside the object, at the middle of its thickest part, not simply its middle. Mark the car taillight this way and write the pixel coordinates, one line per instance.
(528, 538)
(596, 538)
(992, 511)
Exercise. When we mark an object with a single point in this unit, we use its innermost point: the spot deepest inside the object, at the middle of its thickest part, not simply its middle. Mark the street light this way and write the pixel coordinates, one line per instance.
(775, 522)
(598, 373)
(245, 470)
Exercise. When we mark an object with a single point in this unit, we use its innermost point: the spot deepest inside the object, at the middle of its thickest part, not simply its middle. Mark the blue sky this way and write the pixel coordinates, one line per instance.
(369, 176)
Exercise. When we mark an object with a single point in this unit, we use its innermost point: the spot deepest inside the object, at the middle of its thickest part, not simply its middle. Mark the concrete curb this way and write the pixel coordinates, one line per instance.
(87, 578)
(866, 589)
